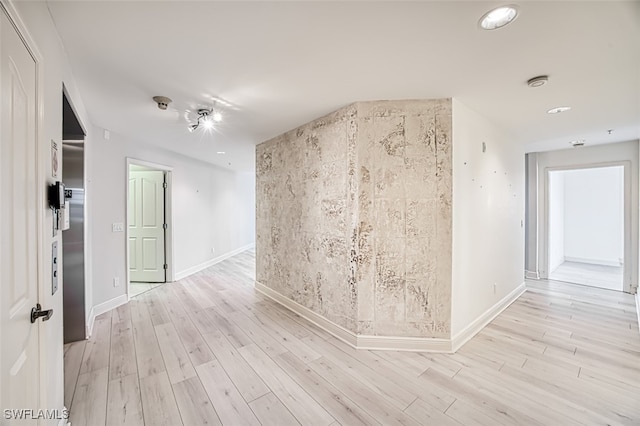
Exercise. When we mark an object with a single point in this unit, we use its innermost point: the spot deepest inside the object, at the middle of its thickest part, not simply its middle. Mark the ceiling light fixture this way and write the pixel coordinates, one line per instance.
(206, 118)
(221, 152)
(558, 110)
(498, 17)
(577, 142)
(538, 81)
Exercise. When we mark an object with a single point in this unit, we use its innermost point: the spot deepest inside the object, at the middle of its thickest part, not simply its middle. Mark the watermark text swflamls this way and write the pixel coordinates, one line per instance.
(31, 414)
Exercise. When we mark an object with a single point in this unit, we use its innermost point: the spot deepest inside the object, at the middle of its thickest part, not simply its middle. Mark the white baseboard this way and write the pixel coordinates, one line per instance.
(102, 308)
(407, 344)
(338, 331)
(204, 265)
(476, 326)
(603, 262)
(391, 343)
(532, 275)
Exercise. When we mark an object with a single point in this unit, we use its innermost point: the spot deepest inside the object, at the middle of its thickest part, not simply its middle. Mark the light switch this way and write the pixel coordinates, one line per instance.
(117, 227)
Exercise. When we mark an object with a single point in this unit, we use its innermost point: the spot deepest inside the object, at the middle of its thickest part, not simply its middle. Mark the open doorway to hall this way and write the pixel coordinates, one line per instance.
(586, 226)
(147, 225)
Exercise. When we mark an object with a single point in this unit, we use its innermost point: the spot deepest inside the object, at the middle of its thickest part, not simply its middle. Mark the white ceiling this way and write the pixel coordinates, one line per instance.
(281, 64)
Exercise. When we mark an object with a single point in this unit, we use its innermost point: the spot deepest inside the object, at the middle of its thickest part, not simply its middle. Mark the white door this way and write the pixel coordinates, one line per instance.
(19, 360)
(146, 226)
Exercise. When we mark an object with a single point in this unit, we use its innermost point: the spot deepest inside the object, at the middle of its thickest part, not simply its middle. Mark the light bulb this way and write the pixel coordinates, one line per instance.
(217, 116)
(207, 123)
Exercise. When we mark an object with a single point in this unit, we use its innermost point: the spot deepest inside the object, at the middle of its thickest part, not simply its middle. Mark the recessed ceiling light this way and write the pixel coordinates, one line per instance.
(498, 17)
(538, 81)
(558, 110)
(221, 152)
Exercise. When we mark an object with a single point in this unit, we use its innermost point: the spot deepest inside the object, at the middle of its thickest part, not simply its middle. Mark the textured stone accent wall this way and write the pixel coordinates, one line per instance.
(305, 202)
(404, 175)
(354, 217)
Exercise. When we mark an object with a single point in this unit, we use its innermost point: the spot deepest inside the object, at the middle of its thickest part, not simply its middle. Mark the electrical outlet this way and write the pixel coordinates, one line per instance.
(116, 281)
(117, 227)
(213, 250)
(495, 287)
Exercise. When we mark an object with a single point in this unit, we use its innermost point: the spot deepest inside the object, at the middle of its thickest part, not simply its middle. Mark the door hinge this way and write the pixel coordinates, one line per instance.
(165, 266)
(165, 226)
(164, 185)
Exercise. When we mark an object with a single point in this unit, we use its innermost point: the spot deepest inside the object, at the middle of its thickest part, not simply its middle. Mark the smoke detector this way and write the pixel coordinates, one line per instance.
(538, 81)
(162, 101)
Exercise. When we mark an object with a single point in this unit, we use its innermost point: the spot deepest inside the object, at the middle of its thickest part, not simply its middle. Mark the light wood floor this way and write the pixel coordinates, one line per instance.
(210, 350)
(139, 288)
(608, 277)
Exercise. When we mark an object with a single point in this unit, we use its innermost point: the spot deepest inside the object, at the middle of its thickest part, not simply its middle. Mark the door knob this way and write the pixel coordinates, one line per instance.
(37, 312)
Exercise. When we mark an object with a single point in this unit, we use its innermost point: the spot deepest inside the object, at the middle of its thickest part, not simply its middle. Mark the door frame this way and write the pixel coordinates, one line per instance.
(628, 258)
(43, 180)
(168, 217)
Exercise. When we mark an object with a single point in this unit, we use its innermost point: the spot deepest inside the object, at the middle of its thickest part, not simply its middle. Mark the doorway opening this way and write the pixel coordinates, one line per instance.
(149, 236)
(586, 220)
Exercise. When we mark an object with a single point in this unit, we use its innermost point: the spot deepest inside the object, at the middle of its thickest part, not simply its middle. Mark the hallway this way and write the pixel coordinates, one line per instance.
(209, 349)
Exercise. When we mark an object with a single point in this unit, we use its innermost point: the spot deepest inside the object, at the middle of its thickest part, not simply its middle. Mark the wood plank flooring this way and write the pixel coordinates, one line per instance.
(210, 350)
(139, 288)
(607, 277)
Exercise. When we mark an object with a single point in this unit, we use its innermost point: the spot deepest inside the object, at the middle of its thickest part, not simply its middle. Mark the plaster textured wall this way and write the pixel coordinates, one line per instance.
(353, 217)
(404, 222)
(305, 205)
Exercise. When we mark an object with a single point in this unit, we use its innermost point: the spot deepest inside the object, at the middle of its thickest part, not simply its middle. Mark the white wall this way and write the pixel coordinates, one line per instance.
(599, 155)
(213, 209)
(488, 216)
(55, 71)
(556, 220)
(594, 219)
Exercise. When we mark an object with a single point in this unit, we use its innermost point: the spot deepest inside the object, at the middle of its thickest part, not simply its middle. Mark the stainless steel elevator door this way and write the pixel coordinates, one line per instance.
(73, 269)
